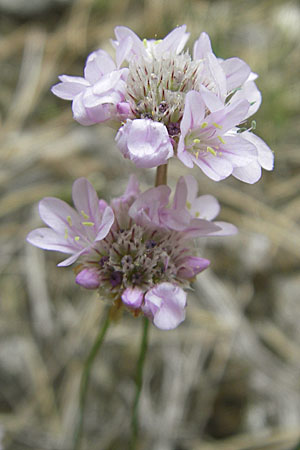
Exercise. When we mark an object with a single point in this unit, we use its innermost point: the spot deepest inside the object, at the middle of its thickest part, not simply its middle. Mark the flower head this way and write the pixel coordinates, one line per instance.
(170, 103)
(139, 249)
(73, 231)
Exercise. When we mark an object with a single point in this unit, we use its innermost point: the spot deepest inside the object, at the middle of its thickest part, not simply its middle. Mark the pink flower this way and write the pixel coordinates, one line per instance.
(167, 102)
(70, 231)
(165, 305)
(128, 45)
(88, 278)
(140, 249)
(202, 209)
(133, 297)
(145, 142)
(100, 95)
(211, 140)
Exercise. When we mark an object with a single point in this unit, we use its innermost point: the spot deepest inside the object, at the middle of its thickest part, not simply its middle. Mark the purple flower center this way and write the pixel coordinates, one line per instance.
(173, 128)
(163, 107)
(103, 260)
(136, 278)
(116, 278)
(150, 244)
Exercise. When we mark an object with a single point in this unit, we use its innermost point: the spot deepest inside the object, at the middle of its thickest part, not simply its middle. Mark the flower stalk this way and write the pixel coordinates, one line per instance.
(161, 175)
(85, 378)
(139, 384)
(160, 179)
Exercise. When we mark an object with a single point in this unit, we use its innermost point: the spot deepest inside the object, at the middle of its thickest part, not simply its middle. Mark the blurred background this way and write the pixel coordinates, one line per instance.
(228, 377)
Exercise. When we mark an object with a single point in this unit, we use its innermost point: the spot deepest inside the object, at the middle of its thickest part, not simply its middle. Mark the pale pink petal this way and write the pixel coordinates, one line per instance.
(106, 224)
(133, 297)
(174, 41)
(250, 92)
(136, 46)
(226, 229)
(107, 83)
(72, 259)
(199, 228)
(88, 278)
(205, 207)
(48, 239)
(194, 111)
(249, 174)
(69, 87)
(180, 196)
(192, 188)
(123, 50)
(57, 214)
(211, 100)
(86, 201)
(80, 112)
(191, 266)
(202, 46)
(98, 63)
(132, 189)
(166, 302)
(148, 205)
(184, 156)
(265, 154)
(236, 71)
(214, 167)
(145, 142)
(175, 219)
(230, 116)
(238, 151)
(217, 74)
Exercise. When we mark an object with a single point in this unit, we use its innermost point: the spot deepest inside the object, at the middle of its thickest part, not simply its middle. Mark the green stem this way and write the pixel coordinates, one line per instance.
(139, 384)
(161, 175)
(85, 378)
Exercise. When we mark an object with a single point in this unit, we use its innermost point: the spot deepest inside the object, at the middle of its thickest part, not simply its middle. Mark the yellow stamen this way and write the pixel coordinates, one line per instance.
(145, 42)
(66, 233)
(188, 205)
(221, 139)
(204, 125)
(211, 150)
(217, 125)
(84, 214)
(158, 41)
(197, 214)
(88, 224)
(69, 219)
(196, 141)
(76, 238)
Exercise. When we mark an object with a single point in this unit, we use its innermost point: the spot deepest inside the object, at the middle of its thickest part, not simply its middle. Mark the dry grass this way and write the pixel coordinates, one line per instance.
(228, 378)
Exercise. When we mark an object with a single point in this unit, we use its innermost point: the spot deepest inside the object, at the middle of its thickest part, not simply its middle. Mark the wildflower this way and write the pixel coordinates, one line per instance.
(139, 250)
(99, 95)
(70, 231)
(170, 103)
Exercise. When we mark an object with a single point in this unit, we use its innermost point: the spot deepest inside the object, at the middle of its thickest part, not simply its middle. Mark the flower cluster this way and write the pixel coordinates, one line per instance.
(139, 249)
(138, 252)
(168, 103)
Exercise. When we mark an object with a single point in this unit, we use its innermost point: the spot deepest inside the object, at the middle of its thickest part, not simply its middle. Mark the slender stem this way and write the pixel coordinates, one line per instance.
(161, 175)
(85, 378)
(161, 178)
(139, 384)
